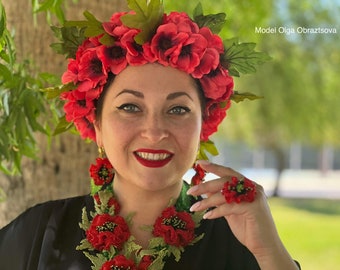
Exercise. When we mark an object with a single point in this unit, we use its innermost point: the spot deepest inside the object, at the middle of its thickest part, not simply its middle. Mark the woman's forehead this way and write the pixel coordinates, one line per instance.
(154, 78)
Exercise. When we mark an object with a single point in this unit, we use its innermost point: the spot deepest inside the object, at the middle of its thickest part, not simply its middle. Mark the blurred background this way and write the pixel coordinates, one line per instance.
(289, 141)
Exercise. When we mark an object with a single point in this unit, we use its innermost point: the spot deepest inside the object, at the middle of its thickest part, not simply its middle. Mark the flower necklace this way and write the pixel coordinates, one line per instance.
(109, 243)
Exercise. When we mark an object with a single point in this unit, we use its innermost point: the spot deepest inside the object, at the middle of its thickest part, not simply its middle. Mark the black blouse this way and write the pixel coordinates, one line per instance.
(45, 238)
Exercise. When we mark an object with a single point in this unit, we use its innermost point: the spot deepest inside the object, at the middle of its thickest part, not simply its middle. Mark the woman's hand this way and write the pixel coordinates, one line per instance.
(251, 223)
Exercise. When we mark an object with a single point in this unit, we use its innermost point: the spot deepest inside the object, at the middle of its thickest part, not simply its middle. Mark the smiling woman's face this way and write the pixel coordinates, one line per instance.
(150, 125)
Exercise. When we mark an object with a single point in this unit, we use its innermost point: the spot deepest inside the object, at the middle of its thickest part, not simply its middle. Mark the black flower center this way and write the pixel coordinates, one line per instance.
(186, 50)
(103, 173)
(96, 66)
(165, 43)
(213, 73)
(106, 227)
(116, 52)
(82, 103)
(175, 222)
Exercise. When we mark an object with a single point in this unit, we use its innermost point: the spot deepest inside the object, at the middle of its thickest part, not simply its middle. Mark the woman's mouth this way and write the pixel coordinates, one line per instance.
(153, 158)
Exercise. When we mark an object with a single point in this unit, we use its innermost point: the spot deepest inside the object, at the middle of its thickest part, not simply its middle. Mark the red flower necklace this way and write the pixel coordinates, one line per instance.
(109, 243)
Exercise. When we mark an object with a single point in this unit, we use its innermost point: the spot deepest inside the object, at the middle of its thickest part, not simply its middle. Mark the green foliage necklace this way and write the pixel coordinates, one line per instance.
(109, 243)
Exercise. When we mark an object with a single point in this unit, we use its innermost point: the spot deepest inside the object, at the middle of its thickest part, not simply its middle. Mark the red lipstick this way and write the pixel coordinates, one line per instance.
(153, 158)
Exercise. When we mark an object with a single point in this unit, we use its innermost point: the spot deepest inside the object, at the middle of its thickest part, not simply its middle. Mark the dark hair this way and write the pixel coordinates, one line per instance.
(100, 102)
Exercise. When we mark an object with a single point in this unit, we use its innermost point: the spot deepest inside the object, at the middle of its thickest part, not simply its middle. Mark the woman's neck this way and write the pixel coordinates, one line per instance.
(145, 205)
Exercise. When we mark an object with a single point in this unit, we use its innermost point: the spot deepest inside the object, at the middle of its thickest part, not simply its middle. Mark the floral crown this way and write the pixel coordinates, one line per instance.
(147, 35)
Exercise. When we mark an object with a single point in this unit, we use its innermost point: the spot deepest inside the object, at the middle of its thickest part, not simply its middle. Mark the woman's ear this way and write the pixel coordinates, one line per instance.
(97, 128)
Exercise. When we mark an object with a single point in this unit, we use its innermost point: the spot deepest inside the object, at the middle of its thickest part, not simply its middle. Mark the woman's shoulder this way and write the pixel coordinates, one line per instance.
(39, 214)
(42, 231)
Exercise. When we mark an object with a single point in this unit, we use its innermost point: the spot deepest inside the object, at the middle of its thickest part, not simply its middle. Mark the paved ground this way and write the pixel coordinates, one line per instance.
(300, 184)
(295, 183)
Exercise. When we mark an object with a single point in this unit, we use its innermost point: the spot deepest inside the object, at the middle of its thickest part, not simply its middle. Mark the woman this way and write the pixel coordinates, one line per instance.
(149, 103)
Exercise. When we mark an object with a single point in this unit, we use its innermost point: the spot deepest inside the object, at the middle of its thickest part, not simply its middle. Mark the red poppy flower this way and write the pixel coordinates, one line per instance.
(120, 262)
(85, 128)
(77, 106)
(183, 22)
(217, 83)
(238, 190)
(211, 58)
(71, 74)
(102, 171)
(209, 61)
(176, 228)
(106, 231)
(190, 53)
(215, 113)
(214, 41)
(115, 26)
(199, 176)
(91, 69)
(134, 52)
(167, 42)
(114, 57)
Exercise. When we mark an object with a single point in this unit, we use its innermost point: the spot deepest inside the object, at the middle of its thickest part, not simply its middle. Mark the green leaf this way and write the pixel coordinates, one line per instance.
(176, 251)
(62, 126)
(97, 260)
(130, 247)
(84, 245)
(5, 73)
(85, 223)
(214, 21)
(54, 92)
(148, 16)
(94, 187)
(70, 37)
(238, 97)
(241, 57)
(32, 111)
(49, 7)
(92, 26)
(198, 238)
(207, 147)
(107, 40)
(156, 242)
(2, 19)
(197, 217)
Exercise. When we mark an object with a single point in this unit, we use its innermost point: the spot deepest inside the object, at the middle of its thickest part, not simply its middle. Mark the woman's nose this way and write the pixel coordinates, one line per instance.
(155, 128)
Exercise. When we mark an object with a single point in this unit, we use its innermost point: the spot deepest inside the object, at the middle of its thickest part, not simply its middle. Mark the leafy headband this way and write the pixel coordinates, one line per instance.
(147, 35)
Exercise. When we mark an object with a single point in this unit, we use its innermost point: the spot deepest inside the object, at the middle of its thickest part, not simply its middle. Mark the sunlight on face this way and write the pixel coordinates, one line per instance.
(150, 125)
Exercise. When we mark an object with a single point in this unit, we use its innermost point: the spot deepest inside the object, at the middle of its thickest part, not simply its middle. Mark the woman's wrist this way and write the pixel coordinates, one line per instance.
(276, 258)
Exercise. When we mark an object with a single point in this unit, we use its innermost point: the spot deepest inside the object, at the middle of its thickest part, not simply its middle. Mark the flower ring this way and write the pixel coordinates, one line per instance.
(239, 190)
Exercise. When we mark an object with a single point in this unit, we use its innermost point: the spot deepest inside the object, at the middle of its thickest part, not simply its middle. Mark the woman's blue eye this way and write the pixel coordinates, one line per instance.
(179, 110)
(130, 108)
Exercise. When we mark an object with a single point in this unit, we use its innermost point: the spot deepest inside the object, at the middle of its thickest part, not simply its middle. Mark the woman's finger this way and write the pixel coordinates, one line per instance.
(208, 187)
(214, 200)
(219, 170)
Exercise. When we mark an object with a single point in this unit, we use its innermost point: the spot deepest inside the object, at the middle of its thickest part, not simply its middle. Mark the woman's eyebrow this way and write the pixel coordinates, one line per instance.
(132, 92)
(177, 94)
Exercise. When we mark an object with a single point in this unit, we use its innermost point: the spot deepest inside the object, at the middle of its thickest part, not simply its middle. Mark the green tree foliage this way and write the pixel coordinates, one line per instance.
(21, 104)
(300, 85)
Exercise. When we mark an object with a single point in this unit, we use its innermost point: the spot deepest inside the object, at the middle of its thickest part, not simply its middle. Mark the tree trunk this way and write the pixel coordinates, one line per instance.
(326, 159)
(62, 168)
(280, 166)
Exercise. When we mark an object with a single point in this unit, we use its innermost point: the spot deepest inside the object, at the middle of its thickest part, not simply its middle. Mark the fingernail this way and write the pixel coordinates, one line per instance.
(203, 162)
(195, 206)
(192, 190)
(207, 215)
